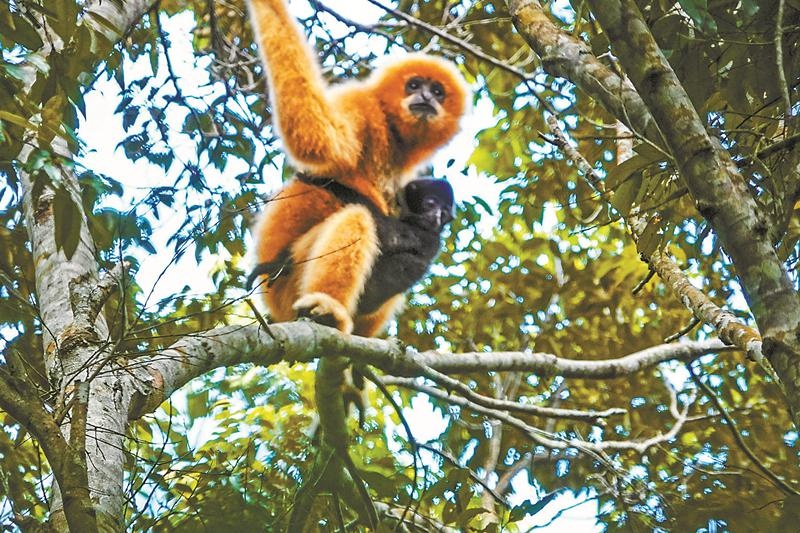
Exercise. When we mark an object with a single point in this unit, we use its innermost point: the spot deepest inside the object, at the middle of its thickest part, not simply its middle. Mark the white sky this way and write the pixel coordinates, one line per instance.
(102, 131)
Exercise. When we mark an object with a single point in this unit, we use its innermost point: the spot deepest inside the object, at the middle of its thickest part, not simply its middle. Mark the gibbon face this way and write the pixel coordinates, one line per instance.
(423, 97)
(431, 200)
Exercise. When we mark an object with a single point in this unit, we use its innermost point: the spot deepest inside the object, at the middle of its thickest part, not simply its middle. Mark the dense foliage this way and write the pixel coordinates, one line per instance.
(549, 267)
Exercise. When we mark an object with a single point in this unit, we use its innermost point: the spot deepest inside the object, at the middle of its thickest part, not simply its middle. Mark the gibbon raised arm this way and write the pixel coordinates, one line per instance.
(368, 136)
(317, 133)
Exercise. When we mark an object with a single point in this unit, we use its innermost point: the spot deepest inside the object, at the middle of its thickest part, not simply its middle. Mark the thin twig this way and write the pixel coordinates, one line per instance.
(535, 410)
(464, 45)
(475, 477)
(684, 330)
(370, 375)
(778, 40)
(737, 435)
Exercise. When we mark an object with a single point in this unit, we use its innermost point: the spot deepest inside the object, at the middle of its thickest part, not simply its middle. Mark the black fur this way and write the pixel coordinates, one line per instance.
(409, 243)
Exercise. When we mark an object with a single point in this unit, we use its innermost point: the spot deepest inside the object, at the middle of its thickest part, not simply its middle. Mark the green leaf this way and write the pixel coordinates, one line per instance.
(65, 21)
(153, 58)
(528, 508)
(15, 71)
(39, 62)
(465, 517)
(481, 202)
(624, 180)
(197, 404)
(23, 32)
(379, 482)
(129, 116)
(103, 22)
(698, 10)
(14, 119)
(650, 237)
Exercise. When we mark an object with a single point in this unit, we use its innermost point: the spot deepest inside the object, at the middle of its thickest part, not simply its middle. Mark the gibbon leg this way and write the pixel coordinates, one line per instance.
(372, 324)
(336, 266)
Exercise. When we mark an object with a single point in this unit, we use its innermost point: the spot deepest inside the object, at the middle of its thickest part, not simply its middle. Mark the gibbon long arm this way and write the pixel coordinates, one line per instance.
(315, 132)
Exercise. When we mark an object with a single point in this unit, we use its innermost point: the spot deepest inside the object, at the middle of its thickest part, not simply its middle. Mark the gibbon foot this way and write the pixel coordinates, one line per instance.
(323, 309)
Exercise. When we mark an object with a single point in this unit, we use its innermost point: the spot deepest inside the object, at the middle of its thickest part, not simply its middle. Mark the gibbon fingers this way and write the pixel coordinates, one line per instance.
(368, 136)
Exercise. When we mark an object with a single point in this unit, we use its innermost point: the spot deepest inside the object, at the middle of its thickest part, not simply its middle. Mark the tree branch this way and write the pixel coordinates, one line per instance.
(557, 442)
(462, 44)
(88, 297)
(392, 515)
(506, 405)
(567, 57)
(719, 190)
(544, 364)
(475, 477)
(21, 400)
(157, 377)
(728, 327)
(737, 435)
(71, 345)
(75, 485)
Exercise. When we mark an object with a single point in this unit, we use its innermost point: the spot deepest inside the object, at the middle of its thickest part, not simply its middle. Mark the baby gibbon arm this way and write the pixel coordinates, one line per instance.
(314, 131)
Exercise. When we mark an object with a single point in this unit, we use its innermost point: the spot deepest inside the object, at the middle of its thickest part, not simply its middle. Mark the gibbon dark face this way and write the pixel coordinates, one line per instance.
(425, 97)
(431, 200)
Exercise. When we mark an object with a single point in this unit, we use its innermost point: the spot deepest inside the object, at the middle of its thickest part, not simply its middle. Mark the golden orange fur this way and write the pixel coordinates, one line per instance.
(361, 134)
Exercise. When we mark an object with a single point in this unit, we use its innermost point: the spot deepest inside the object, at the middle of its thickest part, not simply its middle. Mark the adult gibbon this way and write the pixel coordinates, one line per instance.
(369, 136)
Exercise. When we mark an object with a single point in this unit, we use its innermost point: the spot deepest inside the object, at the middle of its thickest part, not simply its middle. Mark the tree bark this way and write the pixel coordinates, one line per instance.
(719, 190)
(566, 56)
(75, 346)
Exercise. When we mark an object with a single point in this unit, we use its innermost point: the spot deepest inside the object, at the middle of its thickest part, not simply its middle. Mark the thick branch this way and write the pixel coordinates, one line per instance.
(75, 484)
(88, 297)
(115, 19)
(158, 376)
(20, 399)
(567, 57)
(70, 342)
(719, 190)
(728, 327)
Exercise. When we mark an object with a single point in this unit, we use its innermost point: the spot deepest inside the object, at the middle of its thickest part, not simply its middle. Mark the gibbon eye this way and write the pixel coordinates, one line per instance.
(413, 84)
(438, 90)
(429, 203)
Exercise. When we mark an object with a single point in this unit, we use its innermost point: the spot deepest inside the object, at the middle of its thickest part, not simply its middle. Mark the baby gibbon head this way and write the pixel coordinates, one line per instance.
(423, 97)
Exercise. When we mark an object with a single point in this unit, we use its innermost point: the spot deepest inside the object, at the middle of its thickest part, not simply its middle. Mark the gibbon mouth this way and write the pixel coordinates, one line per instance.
(423, 109)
